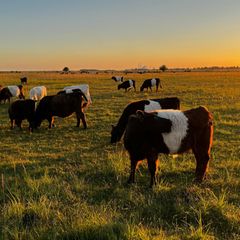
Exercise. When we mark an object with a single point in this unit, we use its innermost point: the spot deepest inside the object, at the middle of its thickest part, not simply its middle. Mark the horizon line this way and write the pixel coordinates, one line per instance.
(114, 69)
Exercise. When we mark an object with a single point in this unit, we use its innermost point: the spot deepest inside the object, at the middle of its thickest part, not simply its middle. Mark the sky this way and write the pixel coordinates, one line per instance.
(118, 34)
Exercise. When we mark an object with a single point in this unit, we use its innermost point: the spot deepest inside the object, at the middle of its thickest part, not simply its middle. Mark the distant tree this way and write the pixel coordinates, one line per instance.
(163, 68)
(65, 70)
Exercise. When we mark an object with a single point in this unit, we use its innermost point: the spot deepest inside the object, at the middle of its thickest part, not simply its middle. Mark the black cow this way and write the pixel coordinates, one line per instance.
(169, 132)
(127, 85)
(5, 94)
(23, 80)
(149, 83)
(61, 105)
(20, 110)
(145, 105)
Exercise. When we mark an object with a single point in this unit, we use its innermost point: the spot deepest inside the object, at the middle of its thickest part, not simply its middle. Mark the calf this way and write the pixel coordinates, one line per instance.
(127, 85)
(23, 80)
(169, 132)
(149, 83)
(83, 87)
(145, 105)
(61, 105)
(37, 93)
(20, 110)
(117, 78)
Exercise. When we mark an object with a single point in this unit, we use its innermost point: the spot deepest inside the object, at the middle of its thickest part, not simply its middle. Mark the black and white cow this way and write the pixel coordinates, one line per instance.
(37, 93)
(83, 87)
(20, 110)
(23, 80)
(169, 132)
(127, 85)
(11, 91)
(149, 83)
(145, 105)
(16, 91)
(117, 78)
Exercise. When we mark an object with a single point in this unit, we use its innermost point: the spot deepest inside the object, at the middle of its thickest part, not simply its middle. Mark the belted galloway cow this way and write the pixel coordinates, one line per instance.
(169, 132)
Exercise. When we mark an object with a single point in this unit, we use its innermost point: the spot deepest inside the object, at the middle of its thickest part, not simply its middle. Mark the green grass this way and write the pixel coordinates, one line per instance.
(70, 183)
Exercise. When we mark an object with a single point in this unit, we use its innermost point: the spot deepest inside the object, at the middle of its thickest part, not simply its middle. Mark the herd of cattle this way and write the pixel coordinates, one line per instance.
(150, 126)
(129, 84)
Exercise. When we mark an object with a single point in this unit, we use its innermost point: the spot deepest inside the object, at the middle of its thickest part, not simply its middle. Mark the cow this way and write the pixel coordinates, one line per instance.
(83, 87)
(127, 85)
(145, 105)
(37, 93)
(11, 91)
(16, 91)
(20, 110)
(61, 105)
(23, 80)
(149, 83)
(5, 94)
(117, 78)
(169, 132)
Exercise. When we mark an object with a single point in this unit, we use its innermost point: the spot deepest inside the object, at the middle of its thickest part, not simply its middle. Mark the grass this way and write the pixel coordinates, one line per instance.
(69, 183)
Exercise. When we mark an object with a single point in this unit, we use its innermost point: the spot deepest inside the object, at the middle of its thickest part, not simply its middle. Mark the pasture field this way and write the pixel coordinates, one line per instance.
(70, 183)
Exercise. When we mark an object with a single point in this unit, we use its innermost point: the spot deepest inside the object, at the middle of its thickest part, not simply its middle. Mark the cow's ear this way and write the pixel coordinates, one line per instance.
(140, 114)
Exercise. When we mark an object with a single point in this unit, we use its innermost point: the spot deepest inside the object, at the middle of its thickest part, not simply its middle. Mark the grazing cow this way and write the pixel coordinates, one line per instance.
(37, 93)
(23, 80)
(20, 110)
(169, 132)
(145, 105)
(127, 85)
(11, 91)
(83, 87)
(5, 94)
(117, 78)
(61, 105)
(16, 91)
(149, 83)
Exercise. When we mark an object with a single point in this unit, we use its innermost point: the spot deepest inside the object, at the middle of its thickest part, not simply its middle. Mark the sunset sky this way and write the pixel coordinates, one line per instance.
(118, 34)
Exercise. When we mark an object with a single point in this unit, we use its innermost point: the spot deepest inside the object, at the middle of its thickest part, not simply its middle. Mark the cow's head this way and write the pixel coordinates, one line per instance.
(115, 134)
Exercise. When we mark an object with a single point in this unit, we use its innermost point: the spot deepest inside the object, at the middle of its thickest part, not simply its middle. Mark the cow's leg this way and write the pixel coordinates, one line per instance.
(201, 150)
(156, 88)
(50, 121)
(152, 160)
(134, 163)
(78, 119)
(202, 164)
(150, 88)
(12, 124)
(18, 122)
(81, 115)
